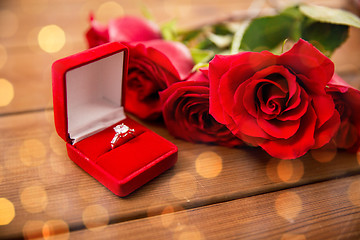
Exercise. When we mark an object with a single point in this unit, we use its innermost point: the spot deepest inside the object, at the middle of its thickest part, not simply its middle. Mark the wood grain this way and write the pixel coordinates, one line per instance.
(34, 157)
(327, 210)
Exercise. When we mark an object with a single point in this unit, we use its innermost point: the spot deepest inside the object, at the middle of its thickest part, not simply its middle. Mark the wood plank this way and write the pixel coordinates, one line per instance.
(327, 210)
(40, 181)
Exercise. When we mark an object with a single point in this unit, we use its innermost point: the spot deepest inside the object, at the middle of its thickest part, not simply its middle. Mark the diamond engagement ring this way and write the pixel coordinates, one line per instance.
(122, 131)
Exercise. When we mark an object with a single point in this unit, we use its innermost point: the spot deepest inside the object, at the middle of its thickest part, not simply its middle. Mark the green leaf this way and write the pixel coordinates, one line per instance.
(330, 15)
(325, 36)
(199, 65)
(168, 30)
(201, 56)
(221, 41)
(146, 12)
(267, 32)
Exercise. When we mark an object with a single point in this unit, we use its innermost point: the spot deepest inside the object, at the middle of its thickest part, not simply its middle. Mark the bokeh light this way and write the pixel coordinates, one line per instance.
(7, 211)
(190, 233)
(280, 170)
(6, 92)
(57, 144)
(33, 229)
(51, 38)
(59, 165)
(109, 10)
(178, 8)
(326, 153)
(167, 216)
(183, 185)
(32, 152)
(9, 23)
(95, 217)
(34, 6)
(290, 170)
(288, 205)
(354, 192)
(34, 198)
(208, 164)
(55, 230)
(3, 56)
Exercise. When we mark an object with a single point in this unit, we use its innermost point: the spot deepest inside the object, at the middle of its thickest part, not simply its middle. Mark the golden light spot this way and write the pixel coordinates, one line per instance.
(51, 38)
(183, 185)
(358, 156)
(6, 92)
(9, 23)
(354, 192)
(326, 153)
(55, 229)
(290, 171)
(208, 164)
(291, 236)
(288, 205)
(34, 199)
(109, 10)
(95, 217)
(178, 8)
(32, 152)
(7, 211)
(167, 216)
(57, 144)
(59, 165)
(33, 229)
(3, 56)
(34, 6)
(191, 233)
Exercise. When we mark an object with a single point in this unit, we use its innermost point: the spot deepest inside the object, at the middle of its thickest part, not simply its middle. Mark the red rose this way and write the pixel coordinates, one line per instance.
(123, 29)
(154, 66)
(276, 102)
(186, 113)
(347, 103)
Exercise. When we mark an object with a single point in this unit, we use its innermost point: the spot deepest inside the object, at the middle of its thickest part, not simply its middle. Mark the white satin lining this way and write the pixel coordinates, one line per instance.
(94, 95)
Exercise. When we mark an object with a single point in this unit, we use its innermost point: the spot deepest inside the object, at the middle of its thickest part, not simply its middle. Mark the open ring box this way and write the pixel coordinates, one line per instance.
(88, 90)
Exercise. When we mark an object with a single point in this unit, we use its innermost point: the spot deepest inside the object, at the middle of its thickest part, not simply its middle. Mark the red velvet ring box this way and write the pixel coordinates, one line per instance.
(88, 103)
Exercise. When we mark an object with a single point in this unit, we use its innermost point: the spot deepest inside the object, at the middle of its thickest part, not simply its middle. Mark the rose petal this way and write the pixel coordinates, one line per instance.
(133, 29)
(97, 34)
(324, 108)
(298, 109)
(327, 131)
(297, 145)
(172, 56)
(303, 58)
(279, 129)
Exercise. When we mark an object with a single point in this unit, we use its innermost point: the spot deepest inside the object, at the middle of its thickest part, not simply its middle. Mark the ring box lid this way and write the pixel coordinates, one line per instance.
(88, 92)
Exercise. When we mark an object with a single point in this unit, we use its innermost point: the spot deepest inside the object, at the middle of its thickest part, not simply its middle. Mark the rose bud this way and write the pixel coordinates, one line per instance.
(347, 103)
(186, 113)
(276, 102)
(154, 66)
(123, 29)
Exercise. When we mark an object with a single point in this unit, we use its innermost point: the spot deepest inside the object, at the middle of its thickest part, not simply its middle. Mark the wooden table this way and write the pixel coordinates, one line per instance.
(212, 192)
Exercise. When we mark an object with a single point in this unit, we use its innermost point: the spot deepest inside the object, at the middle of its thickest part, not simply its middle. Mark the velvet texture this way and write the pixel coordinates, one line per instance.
(126, 167)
